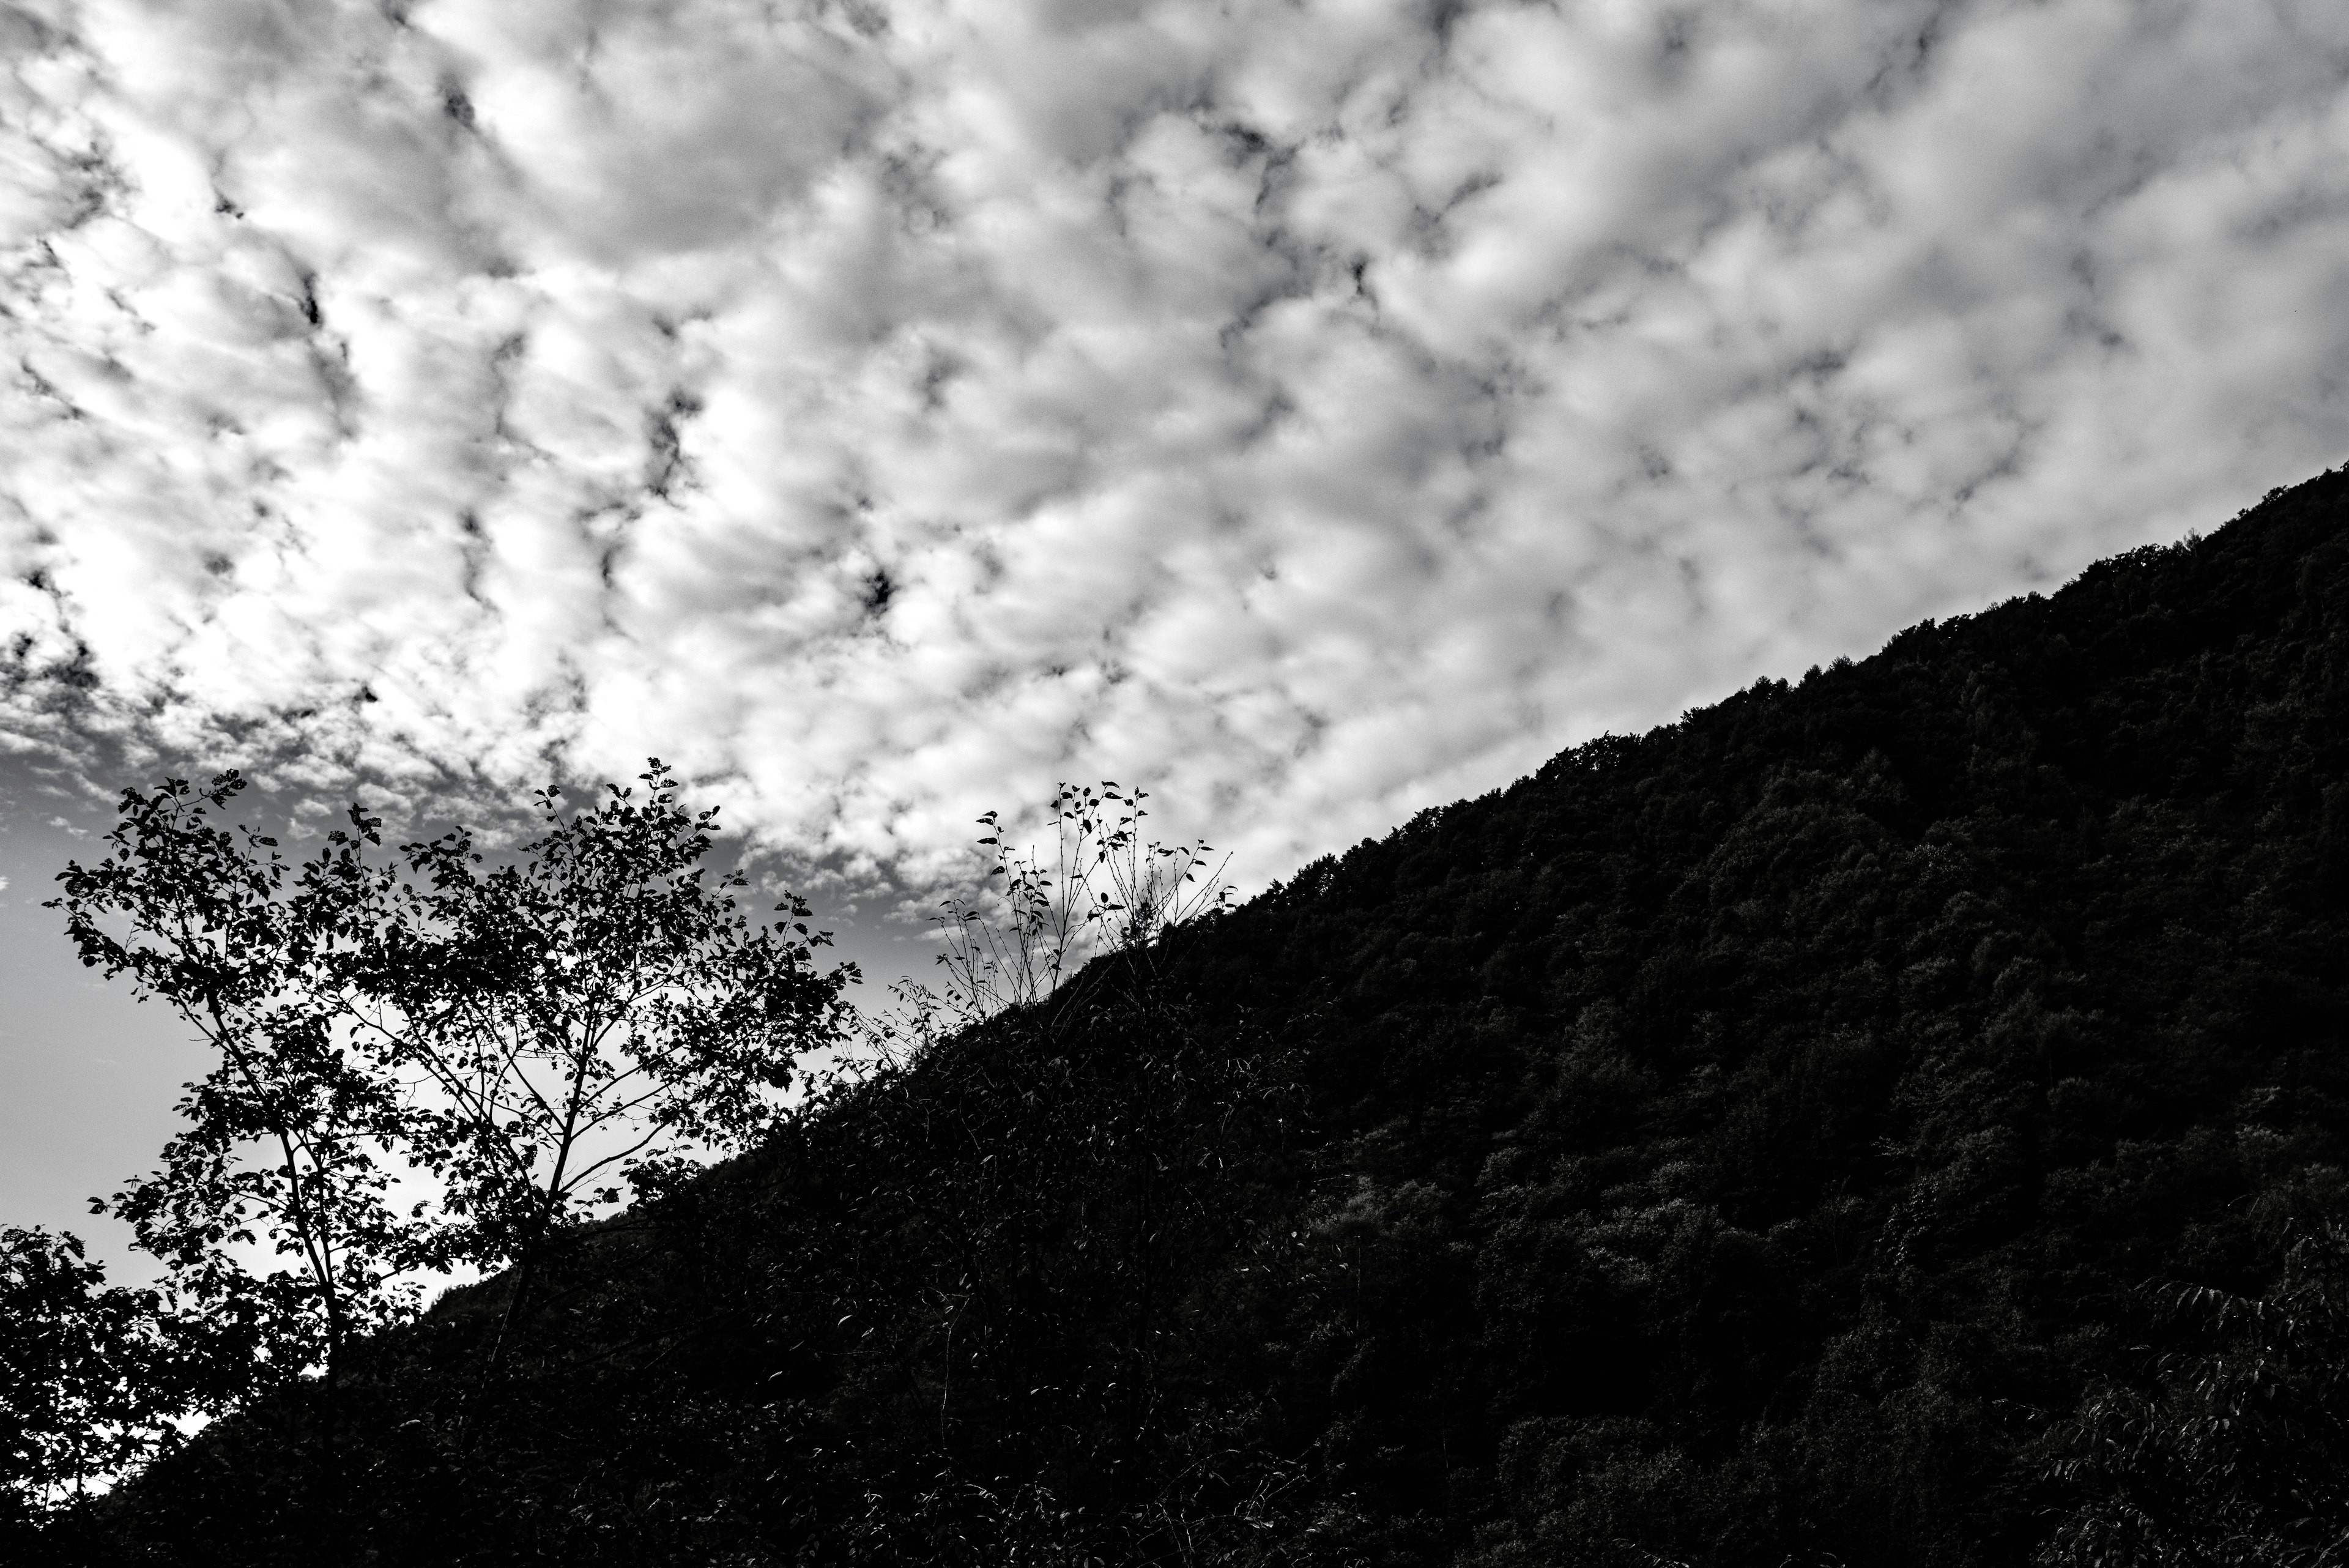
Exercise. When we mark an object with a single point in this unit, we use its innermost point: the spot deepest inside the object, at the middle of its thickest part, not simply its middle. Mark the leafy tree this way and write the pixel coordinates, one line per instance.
(575, 1018)
(293, 1136)
(523, 1036)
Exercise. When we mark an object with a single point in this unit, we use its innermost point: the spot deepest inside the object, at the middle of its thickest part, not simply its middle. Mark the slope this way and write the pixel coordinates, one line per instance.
(1763, 1140)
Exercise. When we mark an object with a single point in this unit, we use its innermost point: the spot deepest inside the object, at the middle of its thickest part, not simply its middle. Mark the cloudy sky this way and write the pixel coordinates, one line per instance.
(1313, 410)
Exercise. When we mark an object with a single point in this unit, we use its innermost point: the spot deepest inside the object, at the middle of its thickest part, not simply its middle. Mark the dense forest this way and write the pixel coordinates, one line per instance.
(1899, 1117)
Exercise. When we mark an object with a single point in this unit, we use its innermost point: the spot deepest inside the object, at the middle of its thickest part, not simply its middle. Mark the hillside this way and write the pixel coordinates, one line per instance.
(1779, 1137)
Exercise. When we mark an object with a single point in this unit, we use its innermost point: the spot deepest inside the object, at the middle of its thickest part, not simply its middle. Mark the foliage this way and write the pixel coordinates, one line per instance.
(87, 1372)
(2236, 1454)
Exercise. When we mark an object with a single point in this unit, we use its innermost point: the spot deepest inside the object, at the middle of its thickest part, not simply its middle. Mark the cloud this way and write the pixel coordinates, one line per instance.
(1311, 411)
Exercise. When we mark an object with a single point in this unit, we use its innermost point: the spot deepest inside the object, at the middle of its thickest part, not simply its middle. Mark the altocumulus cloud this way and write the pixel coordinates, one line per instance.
(1314, 408)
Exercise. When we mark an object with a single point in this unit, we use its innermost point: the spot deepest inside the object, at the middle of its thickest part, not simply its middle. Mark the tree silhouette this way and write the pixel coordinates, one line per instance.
(427, 1060)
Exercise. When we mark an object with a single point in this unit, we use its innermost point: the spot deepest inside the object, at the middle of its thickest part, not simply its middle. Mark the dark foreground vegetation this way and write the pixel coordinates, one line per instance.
(1897, 1119)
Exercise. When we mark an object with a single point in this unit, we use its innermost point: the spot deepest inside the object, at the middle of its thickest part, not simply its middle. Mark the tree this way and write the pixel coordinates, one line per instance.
(575, 1018)
(293, 1137)
(522, 1036)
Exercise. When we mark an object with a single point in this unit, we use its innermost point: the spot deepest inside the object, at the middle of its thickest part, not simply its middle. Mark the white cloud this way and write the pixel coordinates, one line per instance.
(1312, 411)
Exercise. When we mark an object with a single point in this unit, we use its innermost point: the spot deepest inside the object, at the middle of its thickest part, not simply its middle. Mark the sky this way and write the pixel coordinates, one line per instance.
(1309, 410)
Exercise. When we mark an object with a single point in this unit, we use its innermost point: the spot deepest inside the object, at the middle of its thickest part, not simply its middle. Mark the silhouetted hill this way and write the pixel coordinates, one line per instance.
(1774, 1138)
